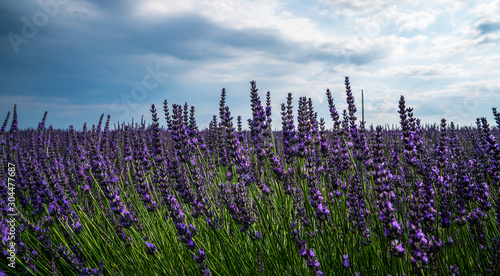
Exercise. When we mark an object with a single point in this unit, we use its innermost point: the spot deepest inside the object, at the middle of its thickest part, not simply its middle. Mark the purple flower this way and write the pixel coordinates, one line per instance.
(346, 261)
(306, 253)
(385, 194)
(201, 257)
(150, 248)
(455, 270)
(357, 208)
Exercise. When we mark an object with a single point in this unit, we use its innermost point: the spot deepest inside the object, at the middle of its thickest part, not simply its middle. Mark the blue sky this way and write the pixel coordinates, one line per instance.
(78, 59)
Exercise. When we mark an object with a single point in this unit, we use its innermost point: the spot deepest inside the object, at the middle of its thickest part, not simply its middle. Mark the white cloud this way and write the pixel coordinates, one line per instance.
(417, 20)
(373, 7)
(236, 14)
(159, 8)
(431, 71)
(376, 23)
(357, 6)
(487, 11)
(242, 14)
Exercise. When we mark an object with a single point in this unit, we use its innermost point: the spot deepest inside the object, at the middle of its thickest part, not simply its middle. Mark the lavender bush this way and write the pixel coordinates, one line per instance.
(316, 198)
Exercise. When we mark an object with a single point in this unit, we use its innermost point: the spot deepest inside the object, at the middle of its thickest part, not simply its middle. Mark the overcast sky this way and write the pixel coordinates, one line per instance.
(78, 59)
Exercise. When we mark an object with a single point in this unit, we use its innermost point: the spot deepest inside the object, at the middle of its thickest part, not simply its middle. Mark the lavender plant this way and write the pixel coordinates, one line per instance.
(318, 197)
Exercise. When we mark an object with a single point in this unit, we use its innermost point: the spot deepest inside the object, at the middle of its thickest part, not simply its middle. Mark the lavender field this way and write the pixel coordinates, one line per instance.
(319, 197)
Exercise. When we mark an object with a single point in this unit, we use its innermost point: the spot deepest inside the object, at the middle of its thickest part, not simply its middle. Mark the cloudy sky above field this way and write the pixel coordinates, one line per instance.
(78, 59)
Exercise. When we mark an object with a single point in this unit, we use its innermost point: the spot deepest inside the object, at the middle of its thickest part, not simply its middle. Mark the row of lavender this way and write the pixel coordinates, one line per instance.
(146, 200)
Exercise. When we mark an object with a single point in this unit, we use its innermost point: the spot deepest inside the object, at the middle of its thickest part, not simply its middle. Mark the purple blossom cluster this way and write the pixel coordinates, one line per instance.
(386, 197)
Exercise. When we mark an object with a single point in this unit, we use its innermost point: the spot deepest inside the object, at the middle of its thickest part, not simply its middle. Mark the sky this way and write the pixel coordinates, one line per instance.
(78, 59)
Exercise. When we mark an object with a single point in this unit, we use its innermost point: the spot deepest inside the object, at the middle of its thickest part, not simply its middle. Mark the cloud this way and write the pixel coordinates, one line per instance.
(487, 23)
(357, 6)
(487, 12)
(93, 52)
(436, 70)
(417, 20)
(349, 8)
(486, 28)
